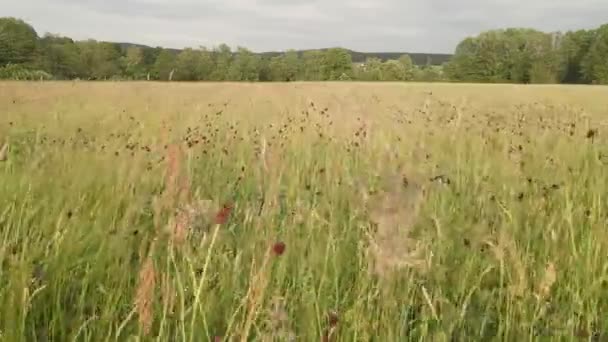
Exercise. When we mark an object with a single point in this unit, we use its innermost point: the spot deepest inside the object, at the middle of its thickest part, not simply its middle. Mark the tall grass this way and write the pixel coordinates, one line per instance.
(306, 211)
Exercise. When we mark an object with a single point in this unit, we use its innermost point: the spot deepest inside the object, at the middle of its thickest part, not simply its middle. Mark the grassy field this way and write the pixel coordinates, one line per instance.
(306, 211)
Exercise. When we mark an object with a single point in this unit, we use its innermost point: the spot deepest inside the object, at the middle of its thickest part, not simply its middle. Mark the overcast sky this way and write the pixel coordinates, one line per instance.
(265, 25)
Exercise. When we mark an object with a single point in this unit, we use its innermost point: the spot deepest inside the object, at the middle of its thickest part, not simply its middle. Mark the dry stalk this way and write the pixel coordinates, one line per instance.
(255, 294)
(546, 283)
(168, 294)
(144, 298)
(4, 152)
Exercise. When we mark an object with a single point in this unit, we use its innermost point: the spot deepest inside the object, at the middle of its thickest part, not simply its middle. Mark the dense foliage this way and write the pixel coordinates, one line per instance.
(511, 55)
(530, 56)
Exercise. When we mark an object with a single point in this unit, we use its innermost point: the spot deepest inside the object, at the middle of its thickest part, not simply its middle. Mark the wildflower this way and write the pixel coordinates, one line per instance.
(278, 248)
(222, 216)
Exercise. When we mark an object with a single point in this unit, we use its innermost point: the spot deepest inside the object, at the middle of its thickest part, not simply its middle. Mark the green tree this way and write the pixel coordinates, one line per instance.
(245, 66)
(573, 50)
(149, 59)
(371, 70)
(429, 73)
(206, 64)
(464, 64)
(264, 71)
(100, 59)
(512, 55)
(285, 67)
(187, 65)
(544, 58)
(133, 63)
(278, 69)
(164, 65)
(222, 60)
(336, 61)
(392, 70)
(18, 41)
(595, 63)
(408, 66)
(312, 65)
(60, 57)
(292, 63)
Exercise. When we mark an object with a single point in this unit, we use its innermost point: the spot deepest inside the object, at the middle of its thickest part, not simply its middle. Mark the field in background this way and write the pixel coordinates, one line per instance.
(322, 211)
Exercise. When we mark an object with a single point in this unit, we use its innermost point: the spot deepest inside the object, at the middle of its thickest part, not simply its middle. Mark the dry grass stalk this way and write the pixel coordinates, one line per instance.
(178, 194)
(144, 298)
(520, 284)
(263, 154)
(186, 214)
(172, 176)
(395, 210)
(546, 284)
(505, 251)
(256, 293)
(4, 152)
(168, 294)
(178, 227)
(157, 206)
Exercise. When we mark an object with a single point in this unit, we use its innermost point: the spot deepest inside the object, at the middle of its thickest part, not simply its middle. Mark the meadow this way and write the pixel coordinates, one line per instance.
(303, 211)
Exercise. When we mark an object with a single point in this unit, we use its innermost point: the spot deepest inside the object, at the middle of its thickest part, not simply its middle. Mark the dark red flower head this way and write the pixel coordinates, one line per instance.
(278, 248)
(222, 216)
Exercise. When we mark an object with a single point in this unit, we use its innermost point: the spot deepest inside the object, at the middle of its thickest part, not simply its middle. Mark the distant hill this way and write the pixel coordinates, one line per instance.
(358, 57)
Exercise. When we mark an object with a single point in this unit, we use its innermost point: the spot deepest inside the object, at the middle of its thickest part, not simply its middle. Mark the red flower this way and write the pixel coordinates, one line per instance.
(278, 248)
(222, 216)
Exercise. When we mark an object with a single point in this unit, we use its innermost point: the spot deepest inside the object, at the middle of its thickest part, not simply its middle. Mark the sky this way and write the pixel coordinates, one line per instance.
(429, 26)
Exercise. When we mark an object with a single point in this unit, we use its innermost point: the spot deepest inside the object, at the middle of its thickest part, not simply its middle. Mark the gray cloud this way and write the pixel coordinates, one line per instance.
(262, 25)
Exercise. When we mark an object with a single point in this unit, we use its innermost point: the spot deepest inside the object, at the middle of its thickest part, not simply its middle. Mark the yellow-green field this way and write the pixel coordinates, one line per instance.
(359, 212)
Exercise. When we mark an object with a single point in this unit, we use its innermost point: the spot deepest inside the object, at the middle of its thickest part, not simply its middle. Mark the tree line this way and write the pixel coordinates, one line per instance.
(531, 56)
(511, 55)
